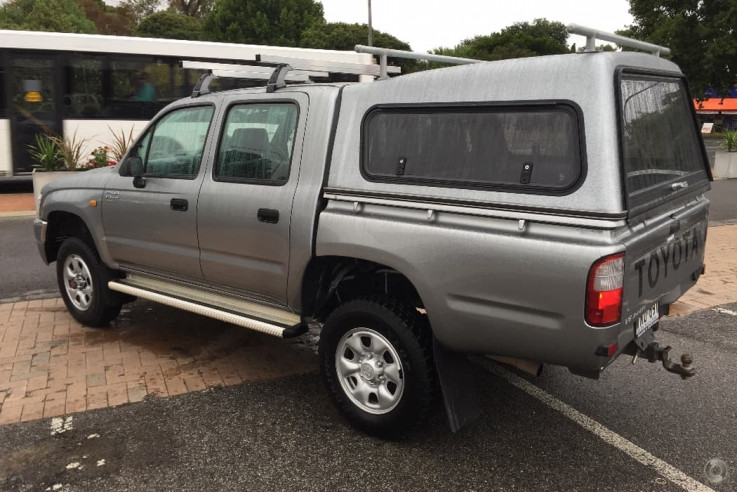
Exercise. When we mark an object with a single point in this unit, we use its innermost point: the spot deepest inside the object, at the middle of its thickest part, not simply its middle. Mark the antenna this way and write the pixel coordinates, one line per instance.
(593, 34)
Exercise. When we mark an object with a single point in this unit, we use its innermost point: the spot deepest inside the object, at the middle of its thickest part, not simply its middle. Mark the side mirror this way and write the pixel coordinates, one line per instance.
(134, 167)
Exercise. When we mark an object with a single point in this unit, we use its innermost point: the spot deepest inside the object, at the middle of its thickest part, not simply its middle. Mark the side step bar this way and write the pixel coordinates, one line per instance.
(250, 315)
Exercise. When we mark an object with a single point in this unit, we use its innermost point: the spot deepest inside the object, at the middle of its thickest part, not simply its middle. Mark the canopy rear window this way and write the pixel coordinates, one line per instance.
(531, 147)
(660, 143)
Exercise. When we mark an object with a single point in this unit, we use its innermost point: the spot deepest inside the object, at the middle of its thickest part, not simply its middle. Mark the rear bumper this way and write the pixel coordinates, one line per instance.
(39, 230)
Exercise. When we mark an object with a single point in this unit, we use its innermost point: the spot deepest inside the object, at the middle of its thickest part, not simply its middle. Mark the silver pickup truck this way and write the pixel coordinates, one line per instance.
(547, 210)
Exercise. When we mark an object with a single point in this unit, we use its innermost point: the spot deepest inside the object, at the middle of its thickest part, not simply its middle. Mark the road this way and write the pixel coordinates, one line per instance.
(24, 275)
(285, 434)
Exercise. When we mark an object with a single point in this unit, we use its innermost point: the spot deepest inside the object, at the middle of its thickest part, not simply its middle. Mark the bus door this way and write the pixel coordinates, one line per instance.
(35, 95)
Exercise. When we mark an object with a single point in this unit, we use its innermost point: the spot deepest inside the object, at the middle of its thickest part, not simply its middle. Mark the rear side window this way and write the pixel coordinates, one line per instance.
(256, 143)
(496, 147)
(660, 143)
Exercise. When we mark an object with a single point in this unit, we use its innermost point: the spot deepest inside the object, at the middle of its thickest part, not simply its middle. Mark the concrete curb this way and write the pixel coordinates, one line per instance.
(21, 213)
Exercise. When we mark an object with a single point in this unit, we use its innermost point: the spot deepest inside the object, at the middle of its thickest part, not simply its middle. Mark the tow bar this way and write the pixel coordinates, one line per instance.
(655, 353)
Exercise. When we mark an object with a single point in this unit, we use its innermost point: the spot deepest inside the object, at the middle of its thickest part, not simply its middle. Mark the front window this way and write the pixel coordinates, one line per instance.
(173, 147)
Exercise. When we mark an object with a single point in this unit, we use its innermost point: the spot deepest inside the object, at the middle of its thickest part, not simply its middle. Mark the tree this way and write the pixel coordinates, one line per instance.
(46, 15)
(270, 22)
(541, 37)
(342, 36)
(700, 34)
(191, 8)
(134, 11)
(107, 19)
(170, 25)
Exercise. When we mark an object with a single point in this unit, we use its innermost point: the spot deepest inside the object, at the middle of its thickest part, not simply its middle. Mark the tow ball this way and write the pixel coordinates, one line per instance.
(655, 353)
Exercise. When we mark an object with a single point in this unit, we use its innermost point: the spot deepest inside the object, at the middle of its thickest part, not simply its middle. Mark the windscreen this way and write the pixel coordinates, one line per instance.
(660, 145)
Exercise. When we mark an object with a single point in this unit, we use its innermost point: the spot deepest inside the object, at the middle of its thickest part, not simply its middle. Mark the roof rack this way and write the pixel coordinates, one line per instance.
(384, 53)
(279, 70)
(593, 34)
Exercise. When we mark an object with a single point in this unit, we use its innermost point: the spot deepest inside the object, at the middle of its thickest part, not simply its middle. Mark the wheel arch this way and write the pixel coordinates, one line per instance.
(331, 280)
(61, 225)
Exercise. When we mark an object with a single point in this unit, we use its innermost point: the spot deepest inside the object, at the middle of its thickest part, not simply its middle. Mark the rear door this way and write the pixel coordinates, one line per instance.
(245, 207)
(666, 175)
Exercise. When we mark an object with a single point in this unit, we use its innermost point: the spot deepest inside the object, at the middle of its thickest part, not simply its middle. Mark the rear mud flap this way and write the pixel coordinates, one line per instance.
(458, 384)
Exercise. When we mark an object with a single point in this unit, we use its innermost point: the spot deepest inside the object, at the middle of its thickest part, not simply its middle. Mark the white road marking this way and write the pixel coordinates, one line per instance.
(725, 311)
(629, 448)
(60, 425)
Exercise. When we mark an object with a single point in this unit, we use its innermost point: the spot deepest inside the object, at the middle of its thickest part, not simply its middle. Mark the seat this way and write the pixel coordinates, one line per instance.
(244, 155)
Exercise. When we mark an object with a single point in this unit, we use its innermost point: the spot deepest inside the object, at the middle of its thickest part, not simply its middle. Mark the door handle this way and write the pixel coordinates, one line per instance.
(179, 204)
(268, 215)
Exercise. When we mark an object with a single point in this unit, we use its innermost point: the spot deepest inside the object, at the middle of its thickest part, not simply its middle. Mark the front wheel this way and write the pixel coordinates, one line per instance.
(376, 360)
(83, 279)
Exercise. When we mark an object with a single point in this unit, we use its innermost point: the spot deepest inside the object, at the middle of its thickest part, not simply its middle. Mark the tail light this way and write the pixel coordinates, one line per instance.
(604, 291)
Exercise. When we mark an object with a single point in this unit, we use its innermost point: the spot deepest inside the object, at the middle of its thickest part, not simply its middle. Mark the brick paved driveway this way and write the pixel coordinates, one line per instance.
(50, 365)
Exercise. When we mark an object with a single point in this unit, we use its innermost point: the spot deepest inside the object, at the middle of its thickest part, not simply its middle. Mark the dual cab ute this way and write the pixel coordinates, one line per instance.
(544, 209)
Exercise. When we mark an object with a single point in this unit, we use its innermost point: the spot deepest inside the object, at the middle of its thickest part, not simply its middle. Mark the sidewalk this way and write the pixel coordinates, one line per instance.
(17, 204)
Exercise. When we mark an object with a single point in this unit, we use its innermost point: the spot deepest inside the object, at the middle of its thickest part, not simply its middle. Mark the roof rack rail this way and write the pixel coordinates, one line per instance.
(384, 53)
(280, 69)
(593, 34)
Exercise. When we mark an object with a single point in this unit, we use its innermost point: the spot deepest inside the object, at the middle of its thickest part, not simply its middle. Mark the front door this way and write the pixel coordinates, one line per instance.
(153, 228)
(245, 206)
(35, 93)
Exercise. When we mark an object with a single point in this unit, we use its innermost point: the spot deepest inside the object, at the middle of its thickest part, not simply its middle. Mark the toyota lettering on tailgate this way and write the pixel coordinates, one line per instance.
(671, 256)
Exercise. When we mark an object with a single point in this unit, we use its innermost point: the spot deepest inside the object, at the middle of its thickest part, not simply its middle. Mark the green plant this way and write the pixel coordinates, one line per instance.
(729, 141)
(45, 153)
(121, 142)
(71, 150)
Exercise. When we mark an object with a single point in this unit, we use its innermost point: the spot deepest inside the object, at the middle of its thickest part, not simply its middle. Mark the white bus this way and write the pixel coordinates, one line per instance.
(60, 84)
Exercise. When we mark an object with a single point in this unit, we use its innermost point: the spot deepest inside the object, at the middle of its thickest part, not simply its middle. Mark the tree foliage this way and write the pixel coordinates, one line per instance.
(541, 37)
(191, 8)
(45, 15)
(171, 25)
(343, 36)
(700, 34)
(271, 22)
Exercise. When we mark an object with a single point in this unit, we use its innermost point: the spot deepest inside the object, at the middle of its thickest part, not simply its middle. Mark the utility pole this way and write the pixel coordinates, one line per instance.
(370, 29)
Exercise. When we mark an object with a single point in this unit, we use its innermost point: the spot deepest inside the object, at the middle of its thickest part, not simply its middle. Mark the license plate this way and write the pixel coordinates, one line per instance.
(646, 320)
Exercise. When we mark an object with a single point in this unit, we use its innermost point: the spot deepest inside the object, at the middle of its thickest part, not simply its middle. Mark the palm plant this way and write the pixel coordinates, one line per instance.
(71, 150)
(729, 141)
(121, 142)
(45, 153)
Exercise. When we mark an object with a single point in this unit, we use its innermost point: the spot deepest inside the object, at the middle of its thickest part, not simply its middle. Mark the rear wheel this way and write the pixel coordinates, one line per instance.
(376, 360)
(83, 279)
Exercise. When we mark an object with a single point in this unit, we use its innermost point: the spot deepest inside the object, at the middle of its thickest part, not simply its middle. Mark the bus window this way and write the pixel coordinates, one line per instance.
(83, 97)
(3, 102)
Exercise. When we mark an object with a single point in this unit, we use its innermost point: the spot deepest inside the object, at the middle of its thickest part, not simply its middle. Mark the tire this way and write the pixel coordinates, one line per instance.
(376, 362)
(82, 280)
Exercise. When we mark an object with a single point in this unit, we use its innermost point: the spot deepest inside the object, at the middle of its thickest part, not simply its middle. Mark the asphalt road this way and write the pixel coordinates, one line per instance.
(286, 435)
